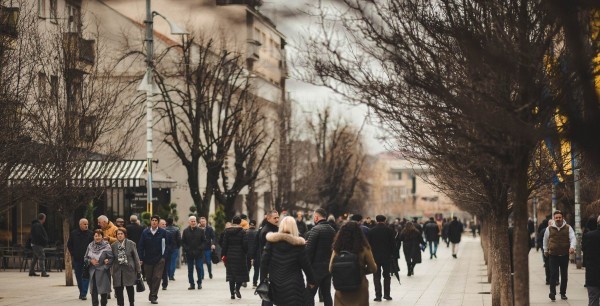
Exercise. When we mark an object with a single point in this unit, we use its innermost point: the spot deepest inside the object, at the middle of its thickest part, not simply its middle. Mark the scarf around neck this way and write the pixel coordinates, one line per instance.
(121, 255)
(95, 249)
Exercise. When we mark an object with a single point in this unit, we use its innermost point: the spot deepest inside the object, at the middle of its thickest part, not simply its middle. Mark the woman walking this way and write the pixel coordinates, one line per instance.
(350, 238)
(234, 251)
(99, 257)
(126, 267)
(412, 246)
(283, 261)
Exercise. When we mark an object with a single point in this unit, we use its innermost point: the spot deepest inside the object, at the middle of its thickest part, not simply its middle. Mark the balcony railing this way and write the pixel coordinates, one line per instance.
(9, 18)
(79, 52)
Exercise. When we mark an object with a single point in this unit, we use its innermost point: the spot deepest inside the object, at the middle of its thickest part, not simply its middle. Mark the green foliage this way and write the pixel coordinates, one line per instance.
(90, 209)
(145, 219)
(168, 211)
(219, 218)
(193, 210)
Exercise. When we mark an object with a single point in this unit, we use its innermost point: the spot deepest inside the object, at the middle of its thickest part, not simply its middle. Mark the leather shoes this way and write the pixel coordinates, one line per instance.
(153, 302)
(563, 297)
(552, 297)
(377, 299)
(238, 294)
(45, 275)
(33, 274)
(191, 288)
(388, 298)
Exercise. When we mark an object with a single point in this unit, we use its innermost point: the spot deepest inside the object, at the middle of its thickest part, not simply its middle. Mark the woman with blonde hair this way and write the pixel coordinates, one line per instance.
(283, 261)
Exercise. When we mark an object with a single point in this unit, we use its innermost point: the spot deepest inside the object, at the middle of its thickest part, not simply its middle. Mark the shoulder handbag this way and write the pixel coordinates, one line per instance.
(214, 257)
(264, 290)
(139, 284)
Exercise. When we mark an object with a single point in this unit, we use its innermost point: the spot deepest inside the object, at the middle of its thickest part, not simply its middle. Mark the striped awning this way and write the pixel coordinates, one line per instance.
(93, 173)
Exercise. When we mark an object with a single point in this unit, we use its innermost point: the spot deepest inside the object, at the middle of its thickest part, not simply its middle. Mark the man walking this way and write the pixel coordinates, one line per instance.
(270, 226)
(559, 242)
(152, 253)
(251, 240)
(318, 250)
(209, 246)
(79, 240)
(302, 228)
(591, 250)
(174, 231)
(455, 230)
(171, 245)
(39, 239)
(381, 239)
(108, 228)
(194, 242)
(432, 235)
(134, 230)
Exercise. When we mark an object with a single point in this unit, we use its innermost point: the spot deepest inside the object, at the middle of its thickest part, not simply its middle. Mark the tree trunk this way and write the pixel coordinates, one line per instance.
(500, 260)
(521, 235)
(229, 207)
(68, 264)
(194, 186)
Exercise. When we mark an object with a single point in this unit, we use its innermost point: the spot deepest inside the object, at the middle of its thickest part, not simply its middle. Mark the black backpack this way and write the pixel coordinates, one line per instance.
(345, 272)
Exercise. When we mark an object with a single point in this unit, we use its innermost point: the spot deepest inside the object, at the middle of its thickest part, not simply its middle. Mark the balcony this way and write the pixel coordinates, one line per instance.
(253, 50)
(80, 54)
(9, 18)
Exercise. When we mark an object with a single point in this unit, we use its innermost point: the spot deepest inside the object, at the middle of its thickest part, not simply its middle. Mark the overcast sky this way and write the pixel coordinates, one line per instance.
(292, 22)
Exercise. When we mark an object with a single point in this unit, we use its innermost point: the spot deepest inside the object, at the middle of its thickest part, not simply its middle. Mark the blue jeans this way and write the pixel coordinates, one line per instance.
(433, 250)
(173, 263)
(82, 284)
(197, 262)
(208, 261)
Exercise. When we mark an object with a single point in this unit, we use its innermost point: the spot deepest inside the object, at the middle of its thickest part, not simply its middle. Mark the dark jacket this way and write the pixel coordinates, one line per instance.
(302, 229)
(412, 246)
(211, 237)
(134, 232)
(381, 239)
(319, 242)
(445, 229)
(591, 250)
(78, 243)
(234, 249)
(174, 230)
(251, 240)
(432, 231)
(455, 230)
(150, 247)
(262, 240)
(193, 242)
(171, 242)
(283, 260)
(39, 236)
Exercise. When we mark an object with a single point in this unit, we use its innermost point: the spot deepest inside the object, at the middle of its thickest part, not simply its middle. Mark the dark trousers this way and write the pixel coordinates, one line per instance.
(191, 263)
(153, 274)
(324, 285)
(559, 263)
(103, 296)
(433, 247)
(38, 255)
(593, 295)
(173, 263)
(166, 271)
(385, 268)
(256, 266)
(121, 297)
(207, 260)
(82, 284)
(546, 267)
(234, 286)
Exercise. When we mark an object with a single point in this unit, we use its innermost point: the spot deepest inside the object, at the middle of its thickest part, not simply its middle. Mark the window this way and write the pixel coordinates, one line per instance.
(53, 10)
(73, 18)
(54, 88)
(42, 87)
(87, 128)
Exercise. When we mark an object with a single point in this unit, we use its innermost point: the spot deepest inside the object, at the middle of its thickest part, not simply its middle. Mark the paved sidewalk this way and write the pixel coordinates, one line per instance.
(443, 281)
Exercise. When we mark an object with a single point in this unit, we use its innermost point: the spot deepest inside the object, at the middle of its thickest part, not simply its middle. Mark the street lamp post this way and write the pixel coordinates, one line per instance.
(150, 88)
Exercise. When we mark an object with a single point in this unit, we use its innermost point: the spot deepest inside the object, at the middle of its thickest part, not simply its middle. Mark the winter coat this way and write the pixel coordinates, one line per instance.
(284, 259)
(111, 232)
(445, 228)
(251, 240)
(101, 272)
(412, 246)
(235, 251)
(134, 232)
(358, 297)
(381, 239)
(211, 238)
(174, 230)
(302, 228)
(591, 251)
(432, 231)
(39, 236)
(125, 274)
(319, 242)
(455, 230)
(78, 243)
(193, 242)
(152, 248)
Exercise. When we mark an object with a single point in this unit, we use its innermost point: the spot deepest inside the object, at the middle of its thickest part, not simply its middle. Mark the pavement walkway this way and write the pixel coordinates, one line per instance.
(443, 281)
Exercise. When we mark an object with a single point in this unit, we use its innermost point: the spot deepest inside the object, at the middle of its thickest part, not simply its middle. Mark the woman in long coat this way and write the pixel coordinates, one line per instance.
(125, 268)
(234, 251)
(350, 238)
(283, 261)
(99, 257)
(413, 240)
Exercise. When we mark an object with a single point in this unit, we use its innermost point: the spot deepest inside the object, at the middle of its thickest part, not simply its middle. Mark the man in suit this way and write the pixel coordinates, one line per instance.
(381, 239)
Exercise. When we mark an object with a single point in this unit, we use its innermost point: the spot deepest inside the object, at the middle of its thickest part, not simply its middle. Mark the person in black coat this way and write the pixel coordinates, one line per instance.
(318, 250)
(39, 240)
(134, 230)
(432, 234)
(413, 240)
(171, 245)
(455, 229)
(194, 241)
(79, 240)
(234, 251)
(269, 225)
(381, 239)
(283, 260)
(591, 249)
(251, 240)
